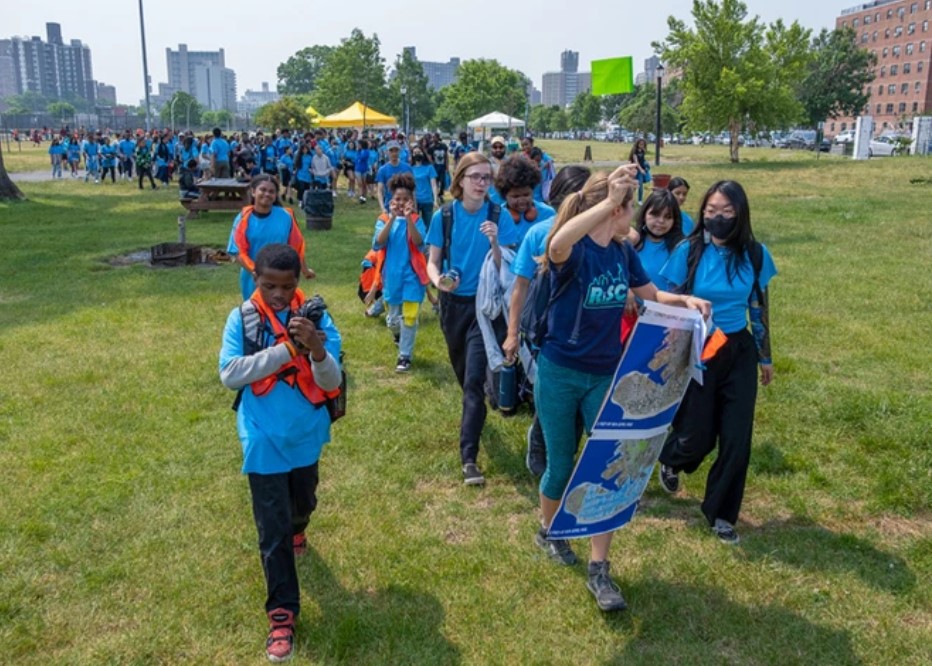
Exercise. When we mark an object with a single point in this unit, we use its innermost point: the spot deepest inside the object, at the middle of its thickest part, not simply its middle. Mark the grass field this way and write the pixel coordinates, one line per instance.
(126, 534)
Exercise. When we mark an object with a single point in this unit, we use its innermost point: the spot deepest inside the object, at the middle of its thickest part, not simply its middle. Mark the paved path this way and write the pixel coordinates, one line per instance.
(32, 176)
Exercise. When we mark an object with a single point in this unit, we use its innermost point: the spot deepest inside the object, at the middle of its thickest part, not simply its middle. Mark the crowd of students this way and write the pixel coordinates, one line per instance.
(509, 221)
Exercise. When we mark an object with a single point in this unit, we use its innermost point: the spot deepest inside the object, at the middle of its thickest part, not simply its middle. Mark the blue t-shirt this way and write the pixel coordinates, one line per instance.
(729, 298)
(362, 162)
(286, 163)
(584, 323)
(74, 152)
(654, 255)
(263, 230)
(127, 147)
(468, 245)
(522, 226)
(281, 430)
(56, 149)
(533, 246)
(423, 193)
(108, 156)
(220, 149)
(91, 148)
(303, 167)
(399, 281)
(688, 224)
(386, 171)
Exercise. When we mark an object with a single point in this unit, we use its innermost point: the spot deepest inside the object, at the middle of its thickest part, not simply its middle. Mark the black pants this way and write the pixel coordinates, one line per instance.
(143, 172)
(281, 506)
(127, 166)
(721, 409)
(441, 179)
(112, 171)
(467, 355)
(300, 188)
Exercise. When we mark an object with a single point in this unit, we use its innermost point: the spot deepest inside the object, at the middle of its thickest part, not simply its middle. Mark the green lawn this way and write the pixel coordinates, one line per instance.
(126, 533)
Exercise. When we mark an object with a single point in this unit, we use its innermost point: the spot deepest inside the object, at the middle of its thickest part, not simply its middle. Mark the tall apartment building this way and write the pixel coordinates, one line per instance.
(51, 68)
(897, 31)
(203, 75)
(253, 100)
(561, 88)
(106, 95)
(439, 74)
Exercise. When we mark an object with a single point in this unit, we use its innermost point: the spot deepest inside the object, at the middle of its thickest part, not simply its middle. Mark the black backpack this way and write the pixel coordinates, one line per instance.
(540, 296)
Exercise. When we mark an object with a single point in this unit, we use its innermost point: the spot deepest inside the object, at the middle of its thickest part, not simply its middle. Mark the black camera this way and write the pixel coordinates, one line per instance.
(313, 309)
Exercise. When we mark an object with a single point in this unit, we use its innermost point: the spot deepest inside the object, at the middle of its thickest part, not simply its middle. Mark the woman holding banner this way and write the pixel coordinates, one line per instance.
(591, 273)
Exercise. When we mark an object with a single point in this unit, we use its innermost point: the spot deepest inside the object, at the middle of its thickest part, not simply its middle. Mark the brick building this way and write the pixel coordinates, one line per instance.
(898, 32)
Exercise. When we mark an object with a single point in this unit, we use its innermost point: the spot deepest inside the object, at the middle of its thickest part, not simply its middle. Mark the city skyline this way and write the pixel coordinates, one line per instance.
(119, 62)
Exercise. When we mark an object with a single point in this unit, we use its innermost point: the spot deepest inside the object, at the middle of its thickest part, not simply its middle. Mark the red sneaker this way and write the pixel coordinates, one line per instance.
(279, 646)
(299, 542)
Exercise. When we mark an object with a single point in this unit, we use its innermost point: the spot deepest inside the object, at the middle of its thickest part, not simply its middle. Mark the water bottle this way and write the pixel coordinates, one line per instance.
(507, 387)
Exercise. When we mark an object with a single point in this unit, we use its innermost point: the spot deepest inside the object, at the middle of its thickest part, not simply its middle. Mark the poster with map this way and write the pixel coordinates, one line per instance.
(617, 460)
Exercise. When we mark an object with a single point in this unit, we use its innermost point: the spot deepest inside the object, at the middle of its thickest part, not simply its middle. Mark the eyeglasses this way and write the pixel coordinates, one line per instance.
(479, 178)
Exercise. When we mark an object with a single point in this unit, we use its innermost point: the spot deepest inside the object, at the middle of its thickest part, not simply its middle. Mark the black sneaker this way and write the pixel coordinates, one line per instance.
(536, 458)
(397, 338)
(403, 365)
(669, 480)
(472, 476)
(725, 532)
(607, 594)
(557, 550)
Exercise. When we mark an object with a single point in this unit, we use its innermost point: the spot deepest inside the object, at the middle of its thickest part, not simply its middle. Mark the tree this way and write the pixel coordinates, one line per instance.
(355, 71)
(218, 118)
(585, 112)
(186, 110)
(560, 119)
(287, 112)
(483, 86)
(838, 76)
(640, 114)
(420, 99)
(612, 104)
(735, 71)
(29, 102)
(299, 73)
(8, 189)
(61, 110)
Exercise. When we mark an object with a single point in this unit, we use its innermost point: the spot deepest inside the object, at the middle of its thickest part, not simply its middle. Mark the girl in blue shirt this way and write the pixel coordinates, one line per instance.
(302, 167)
(361, 169)
(285, 172)
(582, 346)
(638, 157)
(425, 182)
(680, 189)
(659, 224)
(518, 178)
(108, 157)
(349, 167)
(716, 263)
(74, 155)
(56, 152)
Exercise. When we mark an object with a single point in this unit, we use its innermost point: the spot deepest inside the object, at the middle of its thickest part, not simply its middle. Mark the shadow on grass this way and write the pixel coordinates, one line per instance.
(806, 545)
(393, 625)
(690, 624)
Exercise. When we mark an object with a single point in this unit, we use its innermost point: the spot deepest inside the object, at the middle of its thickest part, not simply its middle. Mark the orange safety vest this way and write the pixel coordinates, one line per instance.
(418, 260)
(298, 370)
(295, 238)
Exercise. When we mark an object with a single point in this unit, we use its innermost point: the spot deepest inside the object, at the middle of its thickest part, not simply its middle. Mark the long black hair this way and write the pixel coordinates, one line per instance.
(569, 180)
(741, 238)
(659, 202)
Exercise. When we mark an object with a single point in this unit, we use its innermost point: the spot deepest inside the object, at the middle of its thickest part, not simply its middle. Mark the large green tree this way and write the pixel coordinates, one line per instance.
(288, 112)
(63, 110)
(483, 86)
(27, 102)
(187, 111)
(299, 73)
(838, 76)
(409, 74)
(735, 70)
(355, 71)
(585, 112)
(218, 118)
(640, 114)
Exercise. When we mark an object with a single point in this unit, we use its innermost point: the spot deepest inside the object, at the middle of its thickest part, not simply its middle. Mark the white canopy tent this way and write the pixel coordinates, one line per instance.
(485, 127)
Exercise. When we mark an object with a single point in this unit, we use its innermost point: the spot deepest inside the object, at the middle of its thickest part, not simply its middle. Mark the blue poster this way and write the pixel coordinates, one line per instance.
(618, 459)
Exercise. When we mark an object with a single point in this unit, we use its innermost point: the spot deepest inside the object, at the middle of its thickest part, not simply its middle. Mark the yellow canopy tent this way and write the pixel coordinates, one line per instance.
(313, 114)
(358, 114)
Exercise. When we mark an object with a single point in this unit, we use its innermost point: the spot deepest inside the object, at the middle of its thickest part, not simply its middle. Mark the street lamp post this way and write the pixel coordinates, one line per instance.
(171, 112)
(145, 65)
(404, 110)
(658, 128)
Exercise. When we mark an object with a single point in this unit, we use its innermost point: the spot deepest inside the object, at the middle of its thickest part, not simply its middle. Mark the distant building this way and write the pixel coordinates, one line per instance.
(106, 95)
(51, 68)
(534, 97)
(439, 74)
(253, 100)
(649, 75)
(203, 75)
(897, 32)
(561, 88)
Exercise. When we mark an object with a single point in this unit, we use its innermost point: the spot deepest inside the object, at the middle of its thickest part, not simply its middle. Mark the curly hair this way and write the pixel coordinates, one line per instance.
(401, 181)
(516, 171)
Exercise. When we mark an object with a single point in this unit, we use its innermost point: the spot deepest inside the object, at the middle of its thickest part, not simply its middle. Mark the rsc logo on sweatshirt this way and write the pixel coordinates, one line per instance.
(609, 290)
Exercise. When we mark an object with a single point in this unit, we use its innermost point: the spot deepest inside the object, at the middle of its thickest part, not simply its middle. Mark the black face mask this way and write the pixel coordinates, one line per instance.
(720, 226)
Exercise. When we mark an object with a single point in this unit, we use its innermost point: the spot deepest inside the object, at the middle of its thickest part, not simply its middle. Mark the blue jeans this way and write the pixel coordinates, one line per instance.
(406, 330)
(558, 394)
(642, 178)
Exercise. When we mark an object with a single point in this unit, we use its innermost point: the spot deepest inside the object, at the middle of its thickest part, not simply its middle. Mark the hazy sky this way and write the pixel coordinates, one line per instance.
(528, 36)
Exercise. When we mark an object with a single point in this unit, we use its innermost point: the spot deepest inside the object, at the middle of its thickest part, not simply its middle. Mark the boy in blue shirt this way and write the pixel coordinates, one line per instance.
(386, 171)
(220, 150)
(285, 368)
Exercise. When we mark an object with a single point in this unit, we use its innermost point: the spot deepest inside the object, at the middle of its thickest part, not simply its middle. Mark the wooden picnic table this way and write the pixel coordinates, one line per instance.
(218, 194)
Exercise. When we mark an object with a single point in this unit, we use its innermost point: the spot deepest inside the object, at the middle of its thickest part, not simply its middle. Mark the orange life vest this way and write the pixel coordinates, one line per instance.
(298, 370)
(295, 238)
(418, 260)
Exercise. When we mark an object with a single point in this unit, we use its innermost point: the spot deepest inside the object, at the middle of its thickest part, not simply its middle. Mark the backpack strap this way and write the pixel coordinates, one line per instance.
(446, 216)
(693, 257)
(252, 338)
(756, 255)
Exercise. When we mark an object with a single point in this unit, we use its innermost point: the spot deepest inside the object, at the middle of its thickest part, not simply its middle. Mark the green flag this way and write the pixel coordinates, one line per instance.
(613, 76)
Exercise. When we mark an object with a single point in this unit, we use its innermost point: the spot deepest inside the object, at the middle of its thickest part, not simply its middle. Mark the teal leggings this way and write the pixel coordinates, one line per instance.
(558, 394)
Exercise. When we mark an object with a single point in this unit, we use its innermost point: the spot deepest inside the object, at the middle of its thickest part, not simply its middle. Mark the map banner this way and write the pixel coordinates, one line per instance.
(618, 458)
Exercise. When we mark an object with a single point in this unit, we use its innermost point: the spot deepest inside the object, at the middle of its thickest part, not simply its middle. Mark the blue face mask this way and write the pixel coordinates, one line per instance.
(720, 227)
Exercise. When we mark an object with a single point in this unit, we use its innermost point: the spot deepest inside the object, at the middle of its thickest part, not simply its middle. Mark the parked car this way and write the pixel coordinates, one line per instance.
(845, 136)
(825, 146)
(802, 139)
(882, 146)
